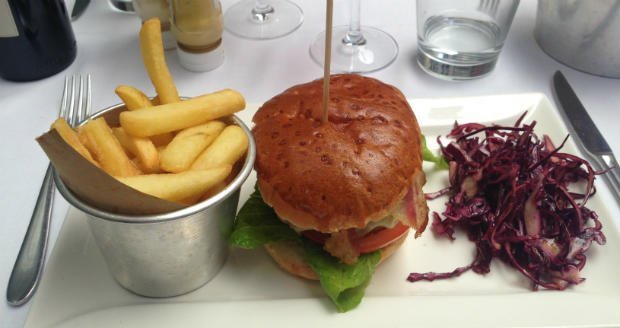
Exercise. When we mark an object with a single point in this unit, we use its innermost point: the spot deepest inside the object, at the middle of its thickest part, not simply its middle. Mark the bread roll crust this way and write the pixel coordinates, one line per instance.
(343, 174)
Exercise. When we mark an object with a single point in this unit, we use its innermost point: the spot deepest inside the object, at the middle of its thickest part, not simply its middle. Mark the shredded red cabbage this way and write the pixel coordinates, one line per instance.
(509, 191)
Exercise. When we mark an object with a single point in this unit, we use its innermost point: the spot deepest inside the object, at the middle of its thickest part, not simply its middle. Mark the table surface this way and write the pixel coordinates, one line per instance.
(108, 49)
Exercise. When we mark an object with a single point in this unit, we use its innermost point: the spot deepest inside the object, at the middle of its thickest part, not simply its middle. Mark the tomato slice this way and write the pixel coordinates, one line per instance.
(367, 243)
(379, 238)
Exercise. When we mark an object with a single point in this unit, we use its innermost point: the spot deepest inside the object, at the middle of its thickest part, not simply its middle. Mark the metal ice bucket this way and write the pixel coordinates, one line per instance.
(172, 253)
(582, 34)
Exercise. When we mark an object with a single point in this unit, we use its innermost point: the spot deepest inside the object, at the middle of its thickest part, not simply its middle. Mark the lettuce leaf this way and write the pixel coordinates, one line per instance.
(429, 156)
(257, 224)
(344, 284)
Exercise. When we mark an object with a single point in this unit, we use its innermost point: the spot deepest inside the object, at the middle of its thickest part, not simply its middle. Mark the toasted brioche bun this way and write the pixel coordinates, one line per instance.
(289, 257)
(352, 170)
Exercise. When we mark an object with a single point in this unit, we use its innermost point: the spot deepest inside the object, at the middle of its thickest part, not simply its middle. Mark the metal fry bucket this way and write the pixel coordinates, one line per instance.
(172, 253)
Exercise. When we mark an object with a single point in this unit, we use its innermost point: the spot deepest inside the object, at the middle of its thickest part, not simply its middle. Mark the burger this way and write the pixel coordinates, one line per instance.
(334, 199)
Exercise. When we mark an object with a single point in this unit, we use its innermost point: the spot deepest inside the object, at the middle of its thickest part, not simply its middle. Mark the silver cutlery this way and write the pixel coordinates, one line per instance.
(589, 138)
(31, 258)
(488, 6)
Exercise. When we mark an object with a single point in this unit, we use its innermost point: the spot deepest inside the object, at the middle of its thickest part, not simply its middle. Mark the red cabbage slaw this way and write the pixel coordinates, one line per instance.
(515, 195)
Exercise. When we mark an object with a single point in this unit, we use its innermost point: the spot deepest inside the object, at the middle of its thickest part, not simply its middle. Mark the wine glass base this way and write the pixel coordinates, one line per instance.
(241, 21)
(379, 51)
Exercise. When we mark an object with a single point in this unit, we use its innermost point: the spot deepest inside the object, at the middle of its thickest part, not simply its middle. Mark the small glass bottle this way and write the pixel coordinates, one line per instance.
(157, 8)
(197, 26)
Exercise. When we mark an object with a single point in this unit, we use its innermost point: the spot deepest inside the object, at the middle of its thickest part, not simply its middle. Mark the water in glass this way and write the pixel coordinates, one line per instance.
(463, 45)
(461, 40)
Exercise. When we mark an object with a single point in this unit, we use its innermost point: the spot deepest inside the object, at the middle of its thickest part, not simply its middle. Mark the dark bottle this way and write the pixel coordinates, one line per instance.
(36, 39)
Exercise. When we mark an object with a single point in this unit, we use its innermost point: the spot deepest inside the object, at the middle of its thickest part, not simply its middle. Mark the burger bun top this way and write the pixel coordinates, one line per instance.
(354, 169)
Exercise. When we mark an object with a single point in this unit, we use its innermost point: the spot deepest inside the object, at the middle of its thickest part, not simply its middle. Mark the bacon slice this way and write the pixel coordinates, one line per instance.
(413, 210)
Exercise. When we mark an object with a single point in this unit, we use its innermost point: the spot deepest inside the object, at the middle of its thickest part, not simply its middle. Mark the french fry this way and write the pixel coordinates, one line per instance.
(84, 140)
(189, 201)
(72, 139)
(176, 116)
(132, 97)
(135, 161)
(183, 150)
(214, 190)
(177, 187)
(107, 149)
(136, 99)
(226, 149)
(162, 139)
(142, 148)
(152, 49)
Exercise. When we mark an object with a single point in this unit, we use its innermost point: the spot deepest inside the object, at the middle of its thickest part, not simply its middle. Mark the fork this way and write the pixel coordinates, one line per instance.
(489, 7)
(31, 258)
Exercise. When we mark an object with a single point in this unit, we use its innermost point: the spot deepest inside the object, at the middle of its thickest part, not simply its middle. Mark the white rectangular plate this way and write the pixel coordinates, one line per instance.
(78, 291)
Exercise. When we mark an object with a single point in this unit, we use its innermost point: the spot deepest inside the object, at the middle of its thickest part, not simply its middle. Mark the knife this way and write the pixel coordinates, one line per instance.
(589, 138)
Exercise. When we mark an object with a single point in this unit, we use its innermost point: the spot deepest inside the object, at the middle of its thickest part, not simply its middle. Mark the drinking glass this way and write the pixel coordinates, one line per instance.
(263, 19)
(356, 48)
(462, 39)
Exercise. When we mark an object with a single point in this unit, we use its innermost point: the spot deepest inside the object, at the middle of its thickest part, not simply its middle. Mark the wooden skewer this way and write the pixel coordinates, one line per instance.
(328, 56)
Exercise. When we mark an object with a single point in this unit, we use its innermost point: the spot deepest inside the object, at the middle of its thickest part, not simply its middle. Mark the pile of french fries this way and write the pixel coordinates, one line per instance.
(179, 150)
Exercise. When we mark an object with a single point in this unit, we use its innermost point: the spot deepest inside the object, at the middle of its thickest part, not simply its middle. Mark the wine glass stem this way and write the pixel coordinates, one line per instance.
(354, 36)
(261, 11)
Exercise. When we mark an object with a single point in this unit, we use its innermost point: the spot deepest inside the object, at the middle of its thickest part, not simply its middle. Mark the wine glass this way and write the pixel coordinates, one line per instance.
(263, 19)
(356, 48)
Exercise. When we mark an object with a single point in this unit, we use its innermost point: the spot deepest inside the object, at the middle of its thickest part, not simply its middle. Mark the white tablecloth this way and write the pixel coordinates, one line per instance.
(108, 49)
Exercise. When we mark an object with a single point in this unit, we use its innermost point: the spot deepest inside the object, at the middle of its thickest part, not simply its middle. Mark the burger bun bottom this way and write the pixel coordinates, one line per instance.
(289, 256)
